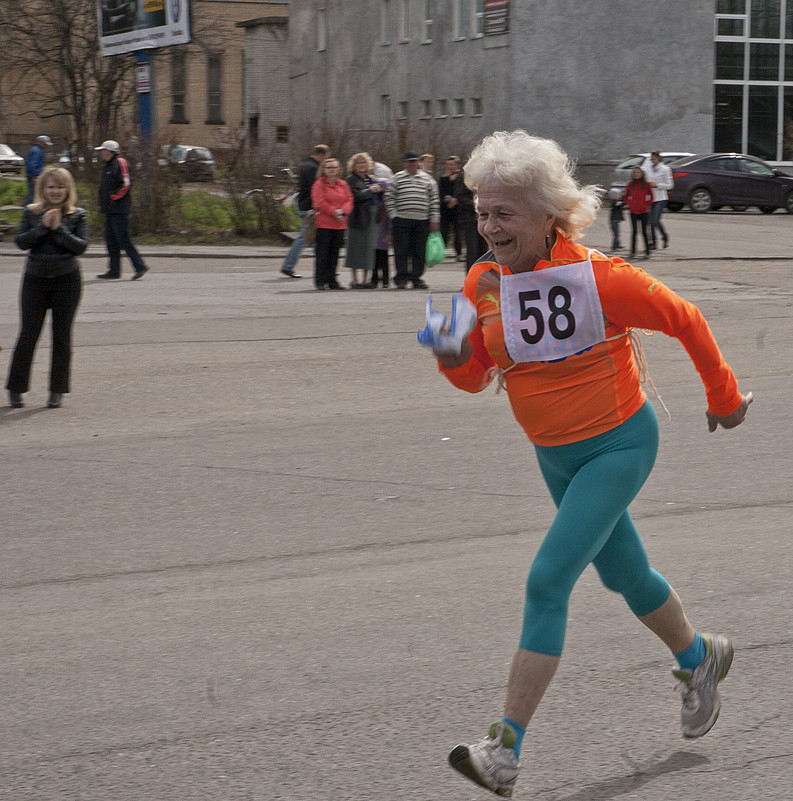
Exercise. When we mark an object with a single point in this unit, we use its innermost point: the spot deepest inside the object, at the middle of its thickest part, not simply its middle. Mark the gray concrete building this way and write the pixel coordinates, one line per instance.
(604, 77)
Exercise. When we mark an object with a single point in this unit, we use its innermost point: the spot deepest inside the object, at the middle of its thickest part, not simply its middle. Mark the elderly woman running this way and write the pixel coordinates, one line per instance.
(554, 322)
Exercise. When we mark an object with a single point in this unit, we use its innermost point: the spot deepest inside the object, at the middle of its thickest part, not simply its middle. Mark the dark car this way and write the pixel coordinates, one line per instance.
(707, 183)
(10, 161)
(193, 163)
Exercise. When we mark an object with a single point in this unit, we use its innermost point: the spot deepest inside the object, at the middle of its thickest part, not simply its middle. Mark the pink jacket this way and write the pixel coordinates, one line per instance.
(326, 198)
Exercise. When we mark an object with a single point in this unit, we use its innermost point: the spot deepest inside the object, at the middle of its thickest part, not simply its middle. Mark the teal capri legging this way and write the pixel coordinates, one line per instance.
(592, 482)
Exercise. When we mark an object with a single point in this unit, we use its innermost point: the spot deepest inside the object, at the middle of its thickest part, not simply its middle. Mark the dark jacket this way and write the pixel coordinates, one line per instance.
(53, 253)
(465, 200)
(115, 195)
(307, 174)
(445, 185)
(362, 199)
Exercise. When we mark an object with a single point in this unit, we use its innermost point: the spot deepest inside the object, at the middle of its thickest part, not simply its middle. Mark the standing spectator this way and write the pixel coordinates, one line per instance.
(332, 201)
(115, 202)
(307, 173)
(55, 232)
(34, 164)
(427, 163)
(638, 197)
(467, 222)
(411, 201)
(659, 176)
(616, 216)
(384, 175)
(362, 223)
(449, 210)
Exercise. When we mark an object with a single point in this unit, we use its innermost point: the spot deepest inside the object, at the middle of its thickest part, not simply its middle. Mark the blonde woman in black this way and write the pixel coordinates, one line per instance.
(55, 232)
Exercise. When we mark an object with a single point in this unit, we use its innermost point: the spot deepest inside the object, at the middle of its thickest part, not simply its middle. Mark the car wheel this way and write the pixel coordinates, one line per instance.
(789, 203)
(739, 208)
(767, 209)
(700, 200)
(674, 206)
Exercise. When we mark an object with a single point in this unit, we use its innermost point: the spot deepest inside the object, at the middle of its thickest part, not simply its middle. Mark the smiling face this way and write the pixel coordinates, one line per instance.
(54, 193)
(514, 229)
(638, 173)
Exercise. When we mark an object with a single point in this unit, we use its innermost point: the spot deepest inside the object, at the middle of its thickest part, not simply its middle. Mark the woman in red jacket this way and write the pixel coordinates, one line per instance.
(332, 201)
(638, 199)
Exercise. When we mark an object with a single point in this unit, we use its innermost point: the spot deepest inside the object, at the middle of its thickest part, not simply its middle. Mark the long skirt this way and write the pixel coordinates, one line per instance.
(361, 244)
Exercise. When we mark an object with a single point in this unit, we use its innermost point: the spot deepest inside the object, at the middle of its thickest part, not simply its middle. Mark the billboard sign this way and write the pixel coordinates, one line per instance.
(129, 25)
(496, 17)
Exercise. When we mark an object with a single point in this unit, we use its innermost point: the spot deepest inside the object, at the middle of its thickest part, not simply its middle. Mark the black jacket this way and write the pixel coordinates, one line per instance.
(307, 174)
(115, 196)
(362, 199)
(53, 253)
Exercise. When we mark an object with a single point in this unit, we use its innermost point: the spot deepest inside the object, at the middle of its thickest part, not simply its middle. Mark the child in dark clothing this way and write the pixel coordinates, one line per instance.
(616, 217)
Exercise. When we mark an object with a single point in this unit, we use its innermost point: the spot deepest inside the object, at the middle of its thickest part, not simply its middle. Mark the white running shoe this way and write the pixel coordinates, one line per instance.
(491, 762)
(700, 688)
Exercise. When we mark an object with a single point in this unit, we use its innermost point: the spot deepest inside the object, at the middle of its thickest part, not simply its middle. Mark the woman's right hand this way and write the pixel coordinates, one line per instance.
(52, 219)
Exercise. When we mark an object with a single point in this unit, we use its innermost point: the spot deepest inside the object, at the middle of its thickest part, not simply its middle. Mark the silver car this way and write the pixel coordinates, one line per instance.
(10, 161)
(622, 172)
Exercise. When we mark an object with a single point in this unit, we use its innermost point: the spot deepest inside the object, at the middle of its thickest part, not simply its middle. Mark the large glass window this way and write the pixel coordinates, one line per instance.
(762, 122)
(729, 61)
(728, 116)
(787, 139)
(764, 20)
(763, 62)
(178, 88)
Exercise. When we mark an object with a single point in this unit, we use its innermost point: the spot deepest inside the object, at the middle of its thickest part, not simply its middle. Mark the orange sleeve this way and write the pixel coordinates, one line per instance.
(471, 376)
(632, 298)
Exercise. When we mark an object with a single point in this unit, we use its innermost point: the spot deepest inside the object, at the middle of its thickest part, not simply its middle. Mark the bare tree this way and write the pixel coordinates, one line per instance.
(51, 60)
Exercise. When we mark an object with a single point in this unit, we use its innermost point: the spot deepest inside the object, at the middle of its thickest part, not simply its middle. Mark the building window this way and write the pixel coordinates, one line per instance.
(385, 21)
(178, 88)
(426, 29)
(460, 18)
(459, 106)
(385, 110)
(426, 109)
(404, 21)
(282, 134)
(478, 17)
(752, 108)
(476, 106)
(322, 30)
(443, 108)
(402, 109)
(215, 89)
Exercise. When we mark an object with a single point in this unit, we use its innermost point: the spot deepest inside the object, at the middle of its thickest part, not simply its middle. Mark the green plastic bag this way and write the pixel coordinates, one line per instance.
(435, 251)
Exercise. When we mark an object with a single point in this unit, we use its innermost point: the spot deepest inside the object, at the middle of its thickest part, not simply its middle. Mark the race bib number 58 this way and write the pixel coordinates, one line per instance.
(551, 314)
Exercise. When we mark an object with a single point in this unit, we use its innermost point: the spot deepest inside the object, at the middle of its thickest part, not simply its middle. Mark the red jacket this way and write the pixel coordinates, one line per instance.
(326, 198)
(637, 198)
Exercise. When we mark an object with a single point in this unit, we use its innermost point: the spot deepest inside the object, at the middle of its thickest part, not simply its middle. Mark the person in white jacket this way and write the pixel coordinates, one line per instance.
(659, 176)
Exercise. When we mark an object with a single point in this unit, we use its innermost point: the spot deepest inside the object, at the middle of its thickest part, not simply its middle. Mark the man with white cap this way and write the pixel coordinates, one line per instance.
(34, 164)
(115, 202)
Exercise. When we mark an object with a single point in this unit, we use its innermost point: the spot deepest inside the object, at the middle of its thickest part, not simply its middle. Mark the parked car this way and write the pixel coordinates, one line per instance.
(10, 161)
(622, 172)
(193, 163)
(729, 179)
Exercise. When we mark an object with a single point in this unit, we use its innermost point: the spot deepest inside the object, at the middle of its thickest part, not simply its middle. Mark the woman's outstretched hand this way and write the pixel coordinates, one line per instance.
(730, 420)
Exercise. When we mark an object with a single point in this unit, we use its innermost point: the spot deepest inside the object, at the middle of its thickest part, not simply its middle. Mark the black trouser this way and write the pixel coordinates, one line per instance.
(326, 251)
(409, 239)
(380, 272)
(450, 225)
(475, 244)
(117, 239)
(61, 295)
(636, 220)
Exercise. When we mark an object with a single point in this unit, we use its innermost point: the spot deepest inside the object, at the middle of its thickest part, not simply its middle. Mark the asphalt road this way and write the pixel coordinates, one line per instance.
(265, 552)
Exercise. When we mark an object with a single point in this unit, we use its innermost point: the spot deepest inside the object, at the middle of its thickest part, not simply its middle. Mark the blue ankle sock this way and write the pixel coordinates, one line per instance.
(694, 655)
(519, 732)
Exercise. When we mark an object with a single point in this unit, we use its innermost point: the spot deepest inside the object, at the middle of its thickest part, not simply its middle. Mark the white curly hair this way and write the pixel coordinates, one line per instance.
(543, 169)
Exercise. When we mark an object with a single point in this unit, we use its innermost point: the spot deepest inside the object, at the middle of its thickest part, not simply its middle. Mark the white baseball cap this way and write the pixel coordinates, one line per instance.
(109, 144)
(45, 140)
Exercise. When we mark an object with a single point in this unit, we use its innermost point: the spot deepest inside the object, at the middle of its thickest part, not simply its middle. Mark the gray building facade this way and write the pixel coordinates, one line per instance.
(604, 77)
